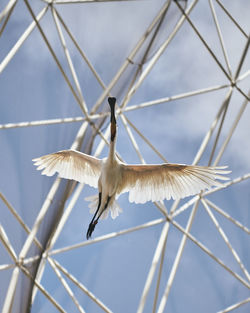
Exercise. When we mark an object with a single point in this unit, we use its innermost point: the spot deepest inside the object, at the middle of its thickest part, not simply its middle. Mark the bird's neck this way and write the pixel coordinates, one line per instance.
(112, 150)
(112, 141)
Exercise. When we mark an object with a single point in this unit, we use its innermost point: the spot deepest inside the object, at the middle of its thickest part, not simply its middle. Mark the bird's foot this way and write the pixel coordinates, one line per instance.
(91, 229)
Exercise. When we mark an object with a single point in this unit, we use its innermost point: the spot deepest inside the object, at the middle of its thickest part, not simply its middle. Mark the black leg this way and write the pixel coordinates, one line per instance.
(106, 205)
(92, 223)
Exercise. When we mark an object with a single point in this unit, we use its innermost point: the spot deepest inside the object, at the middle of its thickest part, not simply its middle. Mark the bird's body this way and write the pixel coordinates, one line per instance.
(109, 180)
(147, 182)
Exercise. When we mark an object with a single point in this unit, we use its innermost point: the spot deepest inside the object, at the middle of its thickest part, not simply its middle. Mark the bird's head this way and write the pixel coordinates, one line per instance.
(112, 101)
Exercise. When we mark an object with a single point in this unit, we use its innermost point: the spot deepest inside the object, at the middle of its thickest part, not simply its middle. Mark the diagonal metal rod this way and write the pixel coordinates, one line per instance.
(21, 40)
(132, 139)
(145, 139)
(242, 59)
(187, 204)
(54, 55)
(108, 236)
(7, 11)
(8, 8)
(59, 228)
(4, 267)
(181, 247)
(18, 218)
(50, 260)
(247, 97)
(131, 56)
(66, 286)
(158, 53)
(157, 289)
(30, 260)
(175, 97)
(177, 259)
(144, 57)
(225, 185)
(231, 18)
(119, 111)
(155, 260)
(56, 234)
(80, 50)
(43, 290)
(225, 110)
(227, 216)
(183, 242)
(208, 252)
(231, 131)
(225, 238)
(9, 299)
(40, 217)
(81, 287)
(204, 42)
(243, 76)
(44, 122)
(70, 63)
(209, 134)
(216, 22)
(6, 242)
(235, 306)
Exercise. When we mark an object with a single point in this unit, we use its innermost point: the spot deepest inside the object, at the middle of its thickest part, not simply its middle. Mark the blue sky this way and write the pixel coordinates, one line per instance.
(32, 88)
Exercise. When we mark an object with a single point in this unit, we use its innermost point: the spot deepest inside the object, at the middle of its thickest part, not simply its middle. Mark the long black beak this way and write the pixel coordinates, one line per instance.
(112, 101)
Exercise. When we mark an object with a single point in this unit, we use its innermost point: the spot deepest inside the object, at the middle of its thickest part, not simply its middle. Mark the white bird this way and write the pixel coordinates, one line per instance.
(149, 182)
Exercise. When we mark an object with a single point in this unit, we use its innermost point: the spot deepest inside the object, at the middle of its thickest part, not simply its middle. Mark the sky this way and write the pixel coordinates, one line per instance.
(32, 88)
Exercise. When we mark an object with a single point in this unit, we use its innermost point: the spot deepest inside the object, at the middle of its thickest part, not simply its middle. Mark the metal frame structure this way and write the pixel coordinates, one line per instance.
(46, 251)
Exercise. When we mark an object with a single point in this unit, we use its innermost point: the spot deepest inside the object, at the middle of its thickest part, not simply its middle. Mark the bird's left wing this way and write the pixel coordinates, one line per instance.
(166, 181)
(71, 164)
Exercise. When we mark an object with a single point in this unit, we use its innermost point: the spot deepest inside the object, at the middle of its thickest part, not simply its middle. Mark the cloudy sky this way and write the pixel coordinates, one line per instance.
(32, 88)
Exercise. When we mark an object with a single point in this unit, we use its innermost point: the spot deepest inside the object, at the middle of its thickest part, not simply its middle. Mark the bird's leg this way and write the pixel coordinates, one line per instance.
(93, 223)
(106, 205)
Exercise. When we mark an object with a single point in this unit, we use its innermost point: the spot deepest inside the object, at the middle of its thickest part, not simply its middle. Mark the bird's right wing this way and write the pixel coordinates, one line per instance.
(166, 181)
(71, 164)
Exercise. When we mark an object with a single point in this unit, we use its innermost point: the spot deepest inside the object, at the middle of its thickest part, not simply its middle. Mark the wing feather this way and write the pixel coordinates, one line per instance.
(166, 181)
(71, 164)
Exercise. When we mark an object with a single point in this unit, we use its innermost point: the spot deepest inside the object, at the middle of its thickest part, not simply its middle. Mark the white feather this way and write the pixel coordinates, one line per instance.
(113, 207)
(71, 164)
(165, 181)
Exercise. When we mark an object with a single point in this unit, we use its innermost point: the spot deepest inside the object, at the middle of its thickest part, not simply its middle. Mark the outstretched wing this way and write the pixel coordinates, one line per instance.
(166, 181)
(71, 164)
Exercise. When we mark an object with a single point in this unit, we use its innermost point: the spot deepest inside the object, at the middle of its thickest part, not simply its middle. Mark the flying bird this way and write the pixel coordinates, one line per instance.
(144, 182)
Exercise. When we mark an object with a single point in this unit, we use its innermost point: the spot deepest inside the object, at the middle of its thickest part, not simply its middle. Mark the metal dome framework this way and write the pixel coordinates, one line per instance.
(33, 266)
